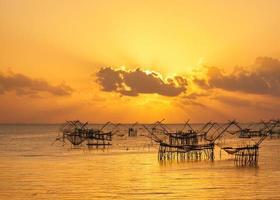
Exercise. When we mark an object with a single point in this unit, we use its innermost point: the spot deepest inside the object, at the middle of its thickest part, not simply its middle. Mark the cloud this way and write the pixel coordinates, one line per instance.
(194, 95)
(263, 78)
(201, 83)
(192, 103)
(135, 82)
(24, 85)
(234, 101)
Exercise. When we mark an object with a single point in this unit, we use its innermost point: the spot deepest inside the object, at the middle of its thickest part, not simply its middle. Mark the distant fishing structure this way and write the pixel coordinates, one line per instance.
(190, 143)
(180, 144)
(187, 143)
(247, 154)
(78, 133)
(132, 130)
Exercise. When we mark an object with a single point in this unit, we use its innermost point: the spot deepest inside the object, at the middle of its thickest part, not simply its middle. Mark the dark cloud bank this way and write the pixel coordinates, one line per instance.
(24, 85)
(263, 78)
(135, 82)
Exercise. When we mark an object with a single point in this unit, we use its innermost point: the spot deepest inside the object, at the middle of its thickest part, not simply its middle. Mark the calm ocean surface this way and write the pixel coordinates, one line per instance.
(32, 168)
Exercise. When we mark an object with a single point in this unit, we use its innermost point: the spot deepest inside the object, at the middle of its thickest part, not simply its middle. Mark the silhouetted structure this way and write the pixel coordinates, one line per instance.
(184, 144)
(247, 154)
(78, 133)
(132, 131)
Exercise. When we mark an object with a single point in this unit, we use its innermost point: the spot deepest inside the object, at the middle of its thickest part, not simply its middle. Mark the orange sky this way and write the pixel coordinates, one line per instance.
(69, 59)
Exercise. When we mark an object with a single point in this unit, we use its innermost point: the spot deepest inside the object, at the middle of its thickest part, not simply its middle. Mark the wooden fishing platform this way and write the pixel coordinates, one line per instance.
(244, 156)
(185, 152)
(77, 133)
(247, 155)
(183, 145)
